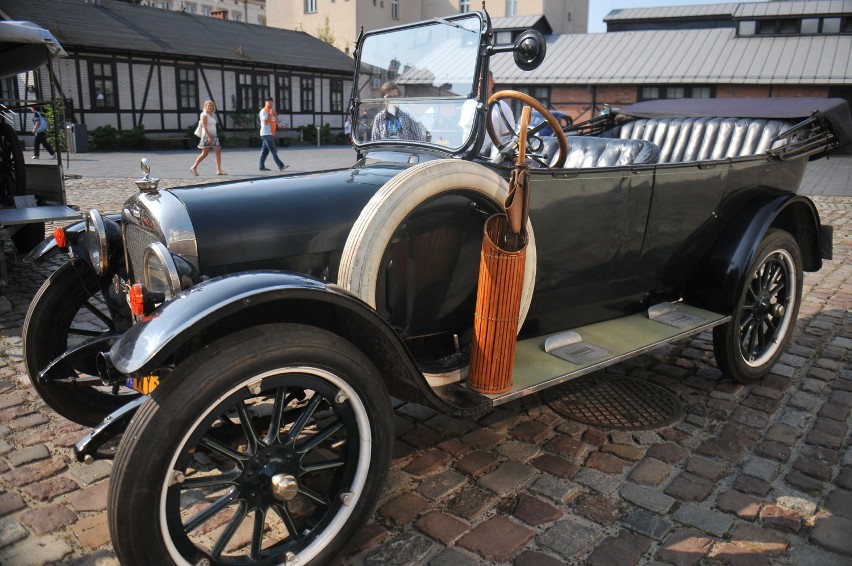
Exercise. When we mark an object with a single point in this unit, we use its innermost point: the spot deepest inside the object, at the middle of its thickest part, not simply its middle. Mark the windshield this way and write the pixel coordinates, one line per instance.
(414, 83)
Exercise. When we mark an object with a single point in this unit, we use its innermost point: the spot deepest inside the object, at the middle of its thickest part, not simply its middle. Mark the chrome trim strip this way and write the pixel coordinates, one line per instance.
(96, 222)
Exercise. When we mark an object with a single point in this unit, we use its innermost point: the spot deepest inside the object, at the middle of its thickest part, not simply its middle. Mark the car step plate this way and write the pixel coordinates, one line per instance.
(571, 347)
(669, 314)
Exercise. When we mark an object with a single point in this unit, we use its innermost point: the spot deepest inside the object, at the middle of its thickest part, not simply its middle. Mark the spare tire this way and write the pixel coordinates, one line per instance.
(400, 197)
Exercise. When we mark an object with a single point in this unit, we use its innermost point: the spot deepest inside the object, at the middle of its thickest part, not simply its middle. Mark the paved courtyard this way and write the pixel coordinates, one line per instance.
(748, 475)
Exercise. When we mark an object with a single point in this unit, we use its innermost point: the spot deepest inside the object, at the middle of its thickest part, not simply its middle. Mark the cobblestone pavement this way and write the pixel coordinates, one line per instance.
(749, 475)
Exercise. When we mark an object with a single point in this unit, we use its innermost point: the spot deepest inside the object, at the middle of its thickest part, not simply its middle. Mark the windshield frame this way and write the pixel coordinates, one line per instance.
(474, 139)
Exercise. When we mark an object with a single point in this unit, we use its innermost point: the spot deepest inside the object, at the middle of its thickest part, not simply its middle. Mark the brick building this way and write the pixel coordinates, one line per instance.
(756, 49)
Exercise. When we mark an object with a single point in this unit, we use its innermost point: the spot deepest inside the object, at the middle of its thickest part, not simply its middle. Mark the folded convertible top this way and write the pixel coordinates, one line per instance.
(834, 110)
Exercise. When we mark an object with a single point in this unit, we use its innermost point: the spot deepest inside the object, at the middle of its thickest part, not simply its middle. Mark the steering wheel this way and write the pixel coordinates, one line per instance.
(548, 117)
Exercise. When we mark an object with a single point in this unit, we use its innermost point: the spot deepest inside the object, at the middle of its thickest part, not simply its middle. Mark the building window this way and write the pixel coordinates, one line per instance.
(310, 6)
(237, 16)
(336, 95)
(810, 25)
(748, 27)
(205, 10)
(831, 25)
(283, 94)
(307, 94)
(102, 84)
(394, 9)
(252, 90)
(511, 7)
(464, 6)
(656, 92)
(187, 82)
(540, 93)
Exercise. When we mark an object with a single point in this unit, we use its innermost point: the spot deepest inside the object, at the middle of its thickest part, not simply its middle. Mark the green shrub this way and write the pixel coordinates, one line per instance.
(103, 138)
(49, 111)
(309, 134)
(133, 138)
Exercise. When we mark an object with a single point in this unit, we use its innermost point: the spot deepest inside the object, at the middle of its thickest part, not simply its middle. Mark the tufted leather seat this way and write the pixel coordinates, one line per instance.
(587, 151)
(701, 139)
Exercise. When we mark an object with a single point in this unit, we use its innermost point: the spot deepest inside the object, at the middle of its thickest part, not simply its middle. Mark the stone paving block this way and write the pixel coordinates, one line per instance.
(779, 518)
(555, 489)
(569, 538)
(650, 499)
(650, 471)
(401, 426)
(29, 421)
(422, 437)
(785, 434)
(812, 467)
(407, 548)
(667, 452)
(813, 555)
(92, 531)
(834, 411)
(761, 468)
(773, 450)
(570, 447)
(555, 465)
(685, 546)
(689, 487)
(40, 470)
(844, 478)
(10, 502)
(724, 449)
(403, 509)
(35, 550)
(452, 557)
(742, 505)
(450, 426)
(599, 481)
(441, 527)
(497, 539)
(832, 533)
(454, 447)
(471, 502)
(508, 477)
(518, 451)
(748, 484)
(532, 432)
(92, 498)
(477, 462)
(23, 456)
(803, 482)
(369, 535)
(11, 531)
(46, 490)
(758, 540)
(602, 510)
(534, 512)
(483, 438)
(442, 484)
(5, 447)
(830, 426)
(427, 463)
(534, 558)
(707, 468)
(705, 519)
(798, 419)
(648, 524)
(839, 502)
(594, 437)
(624, 548)
(396, 482)
(90, 473)
(606, 463)
(500, 419)
(43, 520)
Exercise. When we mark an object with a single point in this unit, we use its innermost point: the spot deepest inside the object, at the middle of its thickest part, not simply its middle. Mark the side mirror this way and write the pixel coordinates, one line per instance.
(529, 50)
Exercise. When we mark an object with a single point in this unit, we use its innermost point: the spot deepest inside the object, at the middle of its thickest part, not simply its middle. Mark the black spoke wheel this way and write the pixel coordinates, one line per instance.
(268, 446)
(13, 174)
(68, 312)
(747, 347)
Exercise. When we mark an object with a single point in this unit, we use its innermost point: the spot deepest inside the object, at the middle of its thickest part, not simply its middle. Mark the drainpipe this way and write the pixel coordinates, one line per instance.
(594, 91)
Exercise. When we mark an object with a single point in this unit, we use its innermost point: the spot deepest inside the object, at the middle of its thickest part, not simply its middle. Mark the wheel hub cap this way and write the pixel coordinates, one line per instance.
(284, 487)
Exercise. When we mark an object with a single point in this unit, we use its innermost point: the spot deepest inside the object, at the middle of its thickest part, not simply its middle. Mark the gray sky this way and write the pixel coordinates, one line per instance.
(598, 9)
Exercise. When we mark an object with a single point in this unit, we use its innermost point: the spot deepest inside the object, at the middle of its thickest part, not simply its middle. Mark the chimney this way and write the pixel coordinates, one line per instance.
(221, 14)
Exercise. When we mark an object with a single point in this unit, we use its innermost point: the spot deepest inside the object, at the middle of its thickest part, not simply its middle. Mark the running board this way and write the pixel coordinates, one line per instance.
(545, 361)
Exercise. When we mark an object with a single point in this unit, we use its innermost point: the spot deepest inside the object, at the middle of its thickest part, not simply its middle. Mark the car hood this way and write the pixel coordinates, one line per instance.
(254, 223)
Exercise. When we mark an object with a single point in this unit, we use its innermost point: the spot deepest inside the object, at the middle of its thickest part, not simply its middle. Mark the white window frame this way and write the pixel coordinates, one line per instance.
(310, 6)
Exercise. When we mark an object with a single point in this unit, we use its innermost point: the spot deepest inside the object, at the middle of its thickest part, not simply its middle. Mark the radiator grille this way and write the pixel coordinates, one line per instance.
(136, 240)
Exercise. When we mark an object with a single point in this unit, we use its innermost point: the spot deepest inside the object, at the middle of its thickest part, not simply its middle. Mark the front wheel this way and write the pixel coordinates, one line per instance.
(748, 346)
(268, 446)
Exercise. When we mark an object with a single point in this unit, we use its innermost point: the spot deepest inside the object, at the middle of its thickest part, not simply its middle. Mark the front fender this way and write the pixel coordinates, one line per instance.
(225, 304)
(718, 284)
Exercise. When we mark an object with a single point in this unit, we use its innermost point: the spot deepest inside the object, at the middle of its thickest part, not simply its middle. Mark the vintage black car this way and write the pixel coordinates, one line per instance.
(246, 337)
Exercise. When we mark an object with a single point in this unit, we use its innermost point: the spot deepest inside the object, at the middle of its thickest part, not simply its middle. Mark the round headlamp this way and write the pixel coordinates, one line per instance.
(96, 241)
(159, 273)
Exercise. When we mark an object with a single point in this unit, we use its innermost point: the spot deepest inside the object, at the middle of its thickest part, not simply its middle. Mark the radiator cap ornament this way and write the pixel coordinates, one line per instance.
(146, 184)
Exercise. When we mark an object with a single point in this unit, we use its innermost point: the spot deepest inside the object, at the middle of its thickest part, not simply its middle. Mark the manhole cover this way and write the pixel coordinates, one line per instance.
(615, 402)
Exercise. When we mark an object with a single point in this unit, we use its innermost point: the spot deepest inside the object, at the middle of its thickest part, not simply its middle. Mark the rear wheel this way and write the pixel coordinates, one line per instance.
(268, 446)
(749, 345)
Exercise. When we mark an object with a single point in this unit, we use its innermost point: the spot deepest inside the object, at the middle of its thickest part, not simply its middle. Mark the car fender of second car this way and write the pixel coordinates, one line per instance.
(74, 234)
(718, 284)
(229, 303)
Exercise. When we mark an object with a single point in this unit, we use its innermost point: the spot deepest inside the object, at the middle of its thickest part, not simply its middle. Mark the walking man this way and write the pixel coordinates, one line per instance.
(40, 131)
(268, 125)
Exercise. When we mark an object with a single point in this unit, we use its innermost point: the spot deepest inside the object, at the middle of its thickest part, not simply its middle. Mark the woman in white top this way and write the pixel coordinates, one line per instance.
(209, 138)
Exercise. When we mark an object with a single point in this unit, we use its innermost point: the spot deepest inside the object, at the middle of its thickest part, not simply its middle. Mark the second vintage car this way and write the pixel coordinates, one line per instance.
(245, 337)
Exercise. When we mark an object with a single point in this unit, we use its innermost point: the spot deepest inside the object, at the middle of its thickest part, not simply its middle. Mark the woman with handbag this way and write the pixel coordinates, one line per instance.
(209, 139)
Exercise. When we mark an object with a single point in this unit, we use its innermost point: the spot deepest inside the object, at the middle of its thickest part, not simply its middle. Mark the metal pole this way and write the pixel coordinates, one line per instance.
(318, 136)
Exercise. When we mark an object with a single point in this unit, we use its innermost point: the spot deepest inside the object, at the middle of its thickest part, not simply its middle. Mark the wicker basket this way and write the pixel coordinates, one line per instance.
(498, 306)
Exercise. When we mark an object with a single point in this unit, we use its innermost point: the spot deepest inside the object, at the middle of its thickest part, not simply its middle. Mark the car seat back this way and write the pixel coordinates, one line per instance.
(588, 151)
